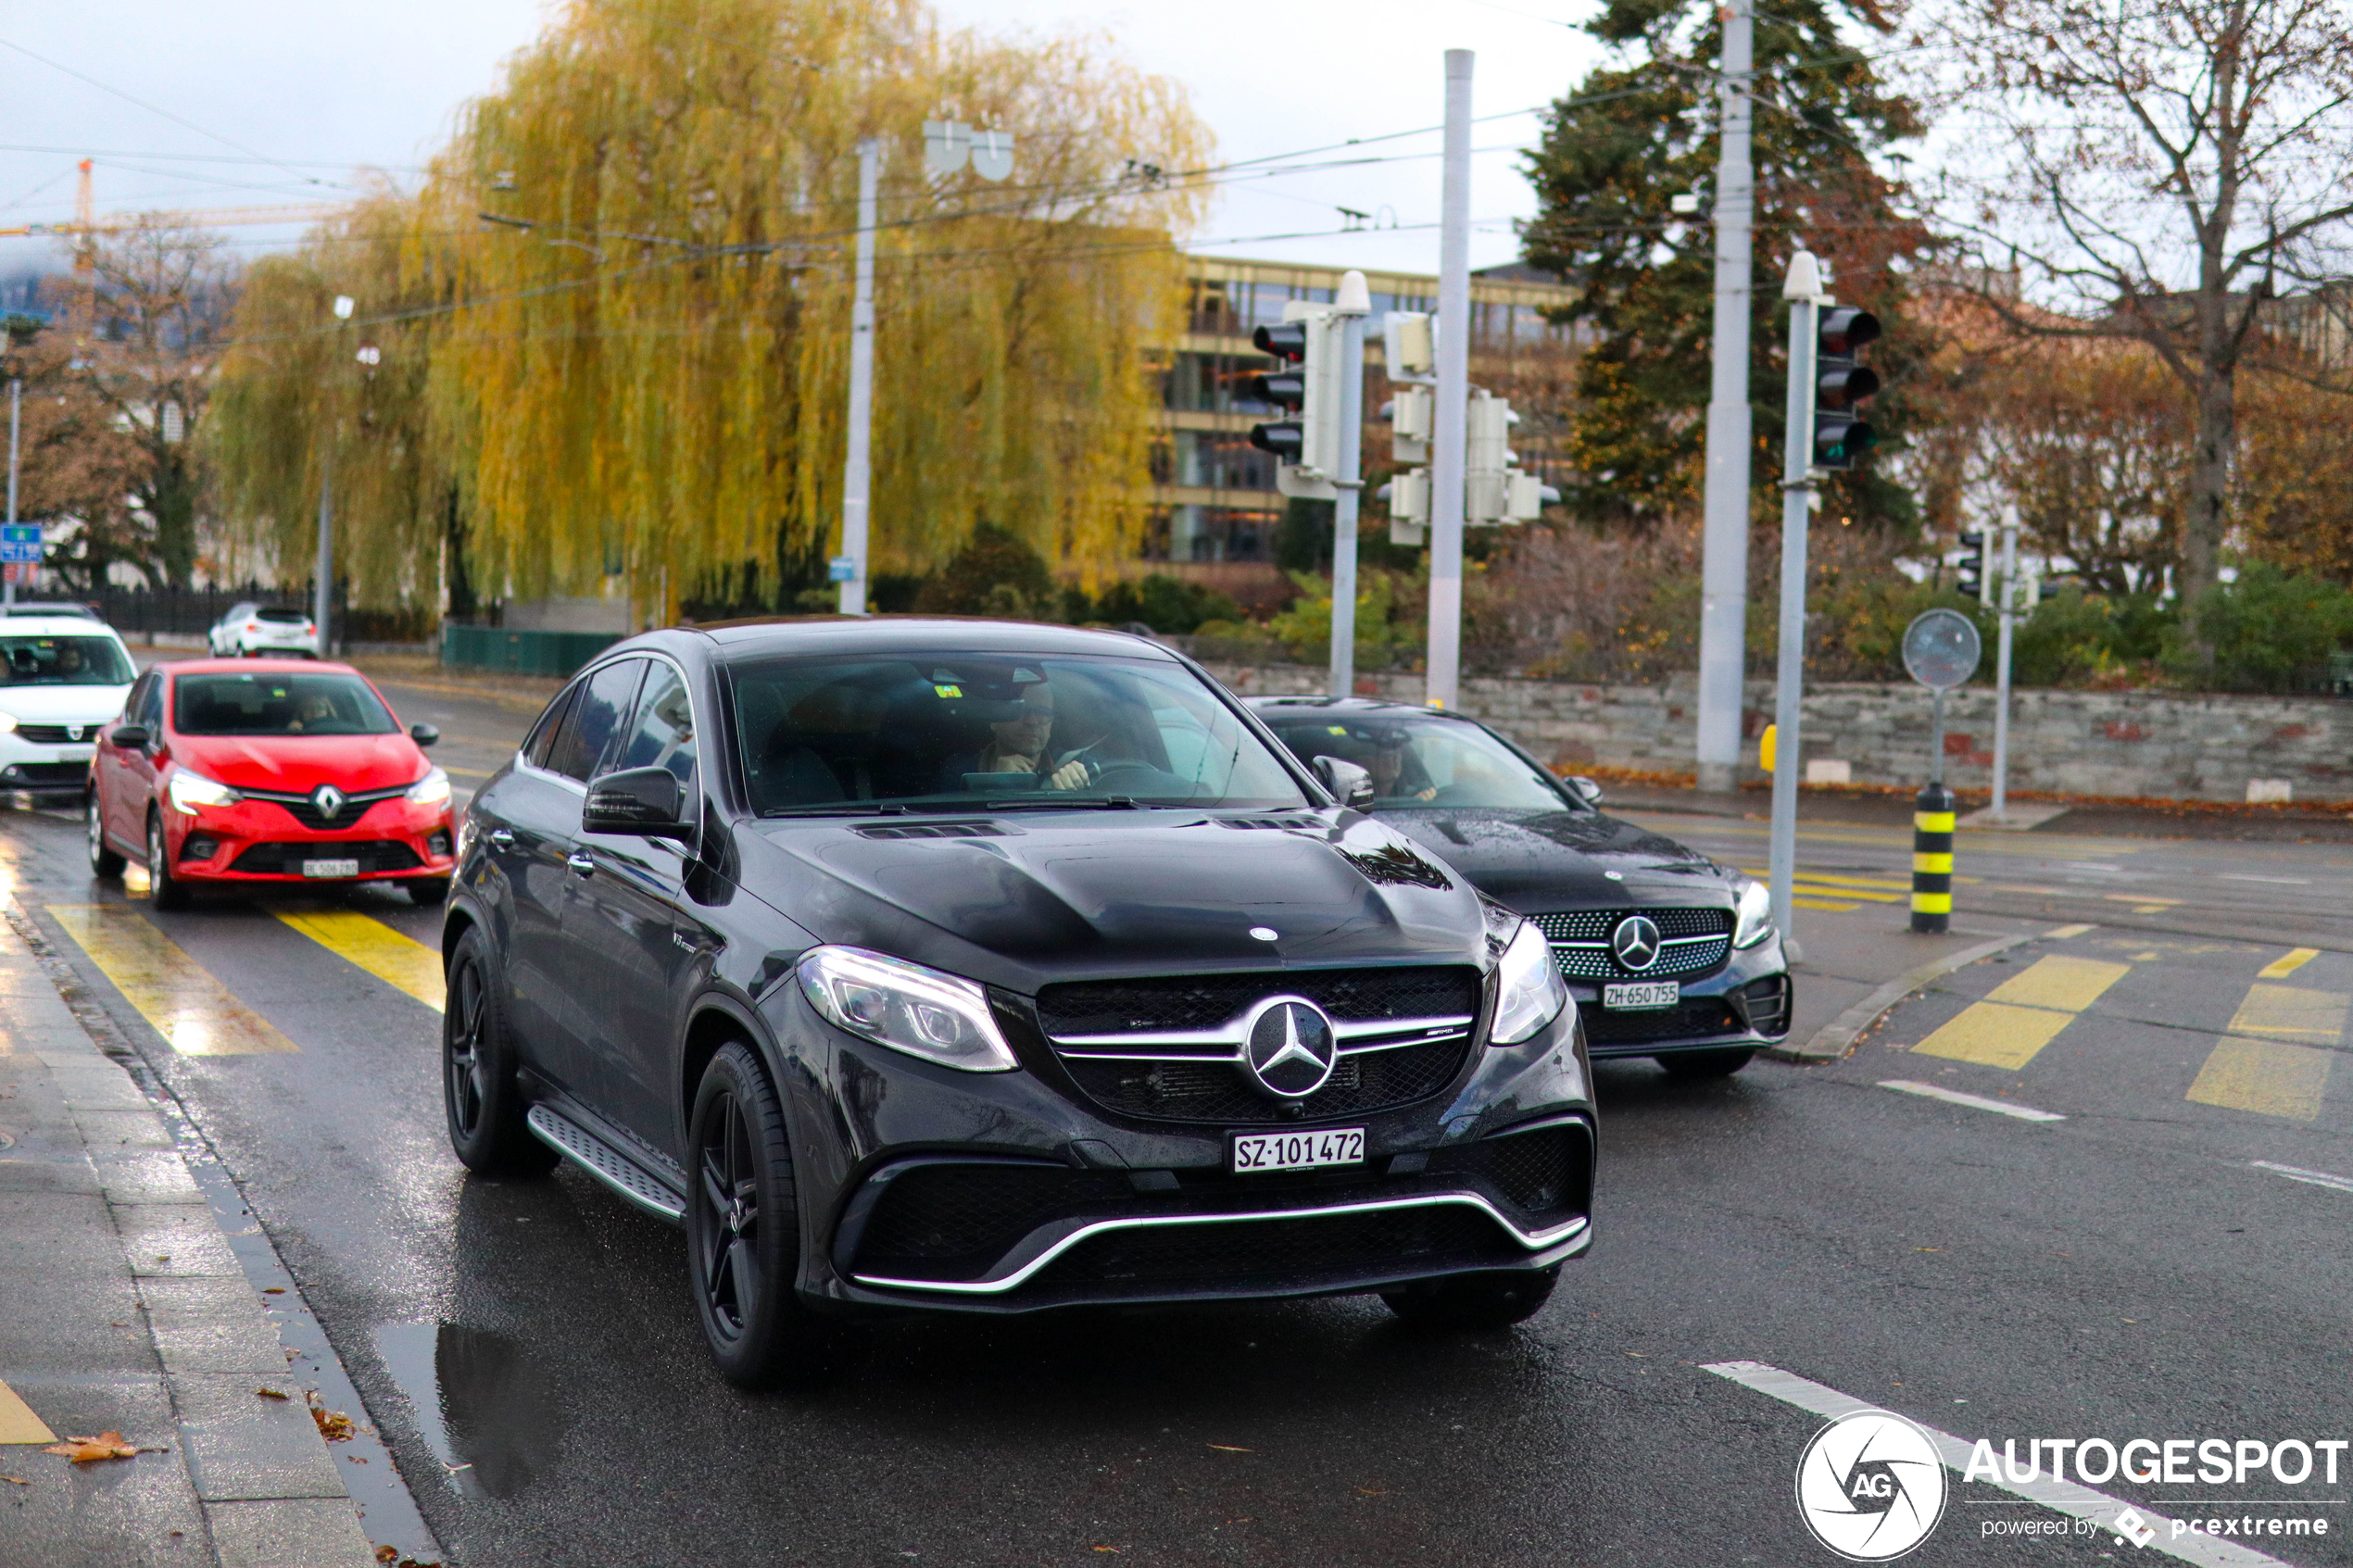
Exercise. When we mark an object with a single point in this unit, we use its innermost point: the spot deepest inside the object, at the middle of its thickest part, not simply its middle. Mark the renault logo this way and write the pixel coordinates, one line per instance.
(1635, 942)
(327, 799)
(1289, 1047)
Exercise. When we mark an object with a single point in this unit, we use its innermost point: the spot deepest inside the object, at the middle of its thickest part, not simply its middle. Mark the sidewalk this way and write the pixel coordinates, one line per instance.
(127, 1311)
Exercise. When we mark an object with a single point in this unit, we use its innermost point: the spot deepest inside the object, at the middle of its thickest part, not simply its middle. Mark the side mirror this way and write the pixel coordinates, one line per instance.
(423, 735)
(1350, 784)
(647, 802)
(130, 736)
(1584, 789)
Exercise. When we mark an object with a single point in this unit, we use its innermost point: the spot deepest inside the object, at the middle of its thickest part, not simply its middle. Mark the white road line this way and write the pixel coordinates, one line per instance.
(2283, 881)
(2059, 1497)
(1976, 1102)
(2296, 1174)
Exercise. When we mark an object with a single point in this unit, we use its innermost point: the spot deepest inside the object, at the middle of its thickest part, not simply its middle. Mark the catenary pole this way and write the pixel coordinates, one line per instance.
(1454, 391)
(1723, 616)
(16, 410)
(2002, 665)
(1351, 305)
(322, 589)
(1803, 290)
(856, 466)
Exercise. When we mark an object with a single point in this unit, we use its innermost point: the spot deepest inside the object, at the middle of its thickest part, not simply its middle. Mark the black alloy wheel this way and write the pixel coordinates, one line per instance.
(479, 1090)
(743, 1227)
(1475, 1301)
(1704, 1064)
(164, 890)
(104, 861)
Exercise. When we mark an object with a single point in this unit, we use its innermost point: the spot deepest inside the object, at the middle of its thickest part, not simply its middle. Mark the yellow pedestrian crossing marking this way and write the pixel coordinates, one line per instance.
(393, 957)
(17, 1423)
(189, 1008)
(2287, 963)
(2264, 1077)
(2290, 1012)
(2024, 1013)
(2060, 933)
(1823, 904)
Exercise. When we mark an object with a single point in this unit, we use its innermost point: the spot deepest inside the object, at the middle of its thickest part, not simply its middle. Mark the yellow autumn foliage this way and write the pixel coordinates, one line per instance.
(618, 308)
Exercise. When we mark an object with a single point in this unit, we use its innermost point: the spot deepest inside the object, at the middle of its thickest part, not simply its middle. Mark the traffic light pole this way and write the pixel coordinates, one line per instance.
(2002, 665)
(856, 475)
(1723, 615)
(1449, 439)
(1352, 303)
(1802, 290)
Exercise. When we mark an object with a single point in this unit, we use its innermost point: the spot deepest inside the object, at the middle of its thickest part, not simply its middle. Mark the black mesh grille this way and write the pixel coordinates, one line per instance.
(1593, 961)
(1187, 1091)
(1698, 1018)
(1204, 1001)
(285, 860)
(1394, 1243)
(1547, 1173)
(951, 1221)
(56, 734)
(1769, 1005)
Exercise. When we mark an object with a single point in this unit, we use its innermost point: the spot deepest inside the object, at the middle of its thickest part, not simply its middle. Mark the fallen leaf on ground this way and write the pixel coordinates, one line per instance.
(274, 1291)
(84, 1450)
(16, 1480)
(1228, 1448)
(334, 1425)
(273, 1394)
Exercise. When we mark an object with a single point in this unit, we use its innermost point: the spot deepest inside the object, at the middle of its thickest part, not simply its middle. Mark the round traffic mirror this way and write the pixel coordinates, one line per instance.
(1941, 650)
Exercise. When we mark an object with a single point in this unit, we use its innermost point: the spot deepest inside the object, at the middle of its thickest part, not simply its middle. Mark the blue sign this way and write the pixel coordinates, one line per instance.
(20, 533)
(841, 569)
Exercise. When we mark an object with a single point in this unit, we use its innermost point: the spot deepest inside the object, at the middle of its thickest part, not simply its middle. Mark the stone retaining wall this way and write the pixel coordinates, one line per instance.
(2160, 744)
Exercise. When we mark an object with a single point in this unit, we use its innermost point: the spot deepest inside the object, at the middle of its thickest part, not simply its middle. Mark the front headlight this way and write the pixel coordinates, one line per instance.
(190, 790)
(906, 1007)
(1755, 921)
(1530, 991)
(430, 790)
(8, 723)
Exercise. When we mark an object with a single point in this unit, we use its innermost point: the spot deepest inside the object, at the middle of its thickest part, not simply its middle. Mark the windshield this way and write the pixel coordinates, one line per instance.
(276, 705)
(291, 616)
(64, 661)
(957, 732)
(1417, 761)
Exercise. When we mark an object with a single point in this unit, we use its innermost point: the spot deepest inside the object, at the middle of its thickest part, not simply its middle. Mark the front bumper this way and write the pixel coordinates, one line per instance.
(926, 1188)
(260, 841)
(36, 766)
(1745, 1004)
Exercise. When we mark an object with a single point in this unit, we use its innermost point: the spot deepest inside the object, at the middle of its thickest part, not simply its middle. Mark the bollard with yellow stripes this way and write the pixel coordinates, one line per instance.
(1933, 860)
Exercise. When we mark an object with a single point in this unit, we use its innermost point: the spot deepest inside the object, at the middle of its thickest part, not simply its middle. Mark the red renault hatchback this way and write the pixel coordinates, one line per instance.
(262, 772)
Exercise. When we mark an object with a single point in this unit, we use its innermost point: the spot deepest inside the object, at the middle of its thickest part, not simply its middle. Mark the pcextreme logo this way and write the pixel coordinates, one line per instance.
(1870, 1486)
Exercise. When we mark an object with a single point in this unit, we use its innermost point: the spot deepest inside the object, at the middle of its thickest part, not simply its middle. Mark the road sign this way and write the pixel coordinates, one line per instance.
(16, 553)
(1941, 650)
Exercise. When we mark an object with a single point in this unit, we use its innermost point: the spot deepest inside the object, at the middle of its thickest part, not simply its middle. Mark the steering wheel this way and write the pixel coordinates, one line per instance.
(1141, 772)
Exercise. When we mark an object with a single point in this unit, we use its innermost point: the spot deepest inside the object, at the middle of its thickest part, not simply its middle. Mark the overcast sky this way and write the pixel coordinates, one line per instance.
(306, 92)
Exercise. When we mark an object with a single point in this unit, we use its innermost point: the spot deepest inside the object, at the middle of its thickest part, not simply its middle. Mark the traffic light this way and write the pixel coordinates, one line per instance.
(1407, 497)
(1970, 574)
(1494, 490)
(1306, 448)
(1841, 384)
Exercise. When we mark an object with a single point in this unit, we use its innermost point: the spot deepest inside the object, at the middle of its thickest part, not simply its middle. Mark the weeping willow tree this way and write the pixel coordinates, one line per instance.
(614, 322)
(308, 398)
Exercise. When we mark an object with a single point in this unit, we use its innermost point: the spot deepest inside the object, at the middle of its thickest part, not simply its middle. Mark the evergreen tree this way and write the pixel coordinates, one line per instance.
(1643, 129)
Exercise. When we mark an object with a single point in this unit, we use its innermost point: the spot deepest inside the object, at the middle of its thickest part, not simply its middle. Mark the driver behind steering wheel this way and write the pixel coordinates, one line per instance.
(1019, 744)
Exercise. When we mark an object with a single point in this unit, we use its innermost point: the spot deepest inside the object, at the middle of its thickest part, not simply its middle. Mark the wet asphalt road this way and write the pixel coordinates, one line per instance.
(528, 1353)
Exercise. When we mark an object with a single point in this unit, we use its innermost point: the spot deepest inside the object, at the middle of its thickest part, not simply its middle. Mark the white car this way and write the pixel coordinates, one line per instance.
(249, 630)
(61, 678)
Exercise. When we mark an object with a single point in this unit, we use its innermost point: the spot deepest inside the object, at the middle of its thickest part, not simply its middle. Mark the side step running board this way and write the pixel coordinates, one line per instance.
(606, 1163)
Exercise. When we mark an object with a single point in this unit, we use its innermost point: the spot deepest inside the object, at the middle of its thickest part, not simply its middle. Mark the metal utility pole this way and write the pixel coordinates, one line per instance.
(2010, 606)
(1454, 391)
(1803, 289)
(322, 592)
(1352, 303)
(15, 411)
(1723, 615)
(856, 476)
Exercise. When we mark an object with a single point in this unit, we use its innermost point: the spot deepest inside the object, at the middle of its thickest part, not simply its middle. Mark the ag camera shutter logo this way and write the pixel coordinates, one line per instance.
(1870, 1486)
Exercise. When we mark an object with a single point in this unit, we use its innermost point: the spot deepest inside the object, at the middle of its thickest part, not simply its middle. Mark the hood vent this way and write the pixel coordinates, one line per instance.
(1296, 824)
(934, 830)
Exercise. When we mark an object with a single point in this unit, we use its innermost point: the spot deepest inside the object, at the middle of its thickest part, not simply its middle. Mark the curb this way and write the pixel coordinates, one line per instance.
(1834, 1040)
(269, 1494)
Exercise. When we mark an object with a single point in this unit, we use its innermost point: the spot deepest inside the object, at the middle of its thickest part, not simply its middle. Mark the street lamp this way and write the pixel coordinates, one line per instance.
(322, 587)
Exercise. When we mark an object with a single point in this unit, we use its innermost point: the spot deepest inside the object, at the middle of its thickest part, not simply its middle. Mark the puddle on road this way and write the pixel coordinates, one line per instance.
(486, 1410)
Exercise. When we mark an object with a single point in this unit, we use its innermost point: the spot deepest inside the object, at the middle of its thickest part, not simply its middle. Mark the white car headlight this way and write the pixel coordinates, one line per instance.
(190, 790)
(906, 1007)
(1755, 910)
(1530, 991)
(430, 790)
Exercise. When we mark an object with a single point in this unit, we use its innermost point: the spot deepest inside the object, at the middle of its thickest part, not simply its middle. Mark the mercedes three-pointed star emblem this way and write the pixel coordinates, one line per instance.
(1290, 1050)
(1635, 942)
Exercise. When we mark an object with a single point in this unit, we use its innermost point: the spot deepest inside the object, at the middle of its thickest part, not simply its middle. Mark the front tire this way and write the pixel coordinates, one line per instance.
(1475, 1301)
(1704, 1064)
(480, 1094)
(104, 861)
(743, 1227)
(164, 890)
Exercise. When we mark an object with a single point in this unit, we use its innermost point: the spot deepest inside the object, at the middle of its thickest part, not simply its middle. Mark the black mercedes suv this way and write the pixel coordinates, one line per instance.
(974, 966)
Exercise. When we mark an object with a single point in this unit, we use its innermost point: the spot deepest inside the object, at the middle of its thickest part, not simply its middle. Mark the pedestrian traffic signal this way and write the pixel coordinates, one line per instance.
(1840, 384)
(1494, 490)
(1969, 571)
(1306, 448)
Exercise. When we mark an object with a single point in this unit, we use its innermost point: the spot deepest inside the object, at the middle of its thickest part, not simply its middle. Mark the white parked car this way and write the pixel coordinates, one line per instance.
(250, 630)
(61, 678)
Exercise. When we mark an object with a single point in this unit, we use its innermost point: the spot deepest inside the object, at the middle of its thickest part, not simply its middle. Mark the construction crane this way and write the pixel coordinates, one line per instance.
(85, 221)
